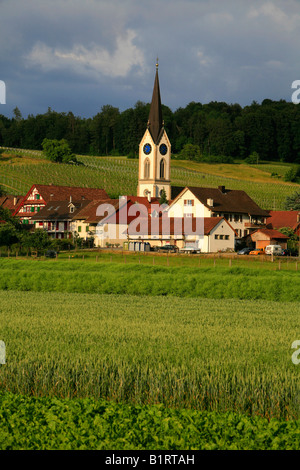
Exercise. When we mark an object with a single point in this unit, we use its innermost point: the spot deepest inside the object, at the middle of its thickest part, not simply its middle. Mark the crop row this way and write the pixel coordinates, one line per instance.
(182, 281)
(29, 423)
(203, 354)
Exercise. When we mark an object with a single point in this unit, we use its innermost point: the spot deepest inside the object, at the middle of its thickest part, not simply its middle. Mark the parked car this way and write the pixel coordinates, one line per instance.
(190, 249)
(244, 251)
(50, 254)
(289, 253)
(257, 251)
(167, 249)
(273, 250)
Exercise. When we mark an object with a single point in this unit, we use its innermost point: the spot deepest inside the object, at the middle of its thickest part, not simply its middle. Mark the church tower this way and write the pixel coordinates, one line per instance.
(155, 152)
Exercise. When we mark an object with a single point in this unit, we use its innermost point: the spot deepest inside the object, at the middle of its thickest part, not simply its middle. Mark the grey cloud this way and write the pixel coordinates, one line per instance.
(77, 56)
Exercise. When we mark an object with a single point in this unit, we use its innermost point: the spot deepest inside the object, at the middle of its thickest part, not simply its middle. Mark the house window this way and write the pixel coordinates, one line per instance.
(226, 237)
(87, 228)
(188, 202)
(37, 196)
(217, 237)
(32, 209)
(79, 228)
(147, 168)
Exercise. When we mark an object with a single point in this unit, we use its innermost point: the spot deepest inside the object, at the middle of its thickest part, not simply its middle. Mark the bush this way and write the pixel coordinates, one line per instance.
(292, 174)
(58, 151)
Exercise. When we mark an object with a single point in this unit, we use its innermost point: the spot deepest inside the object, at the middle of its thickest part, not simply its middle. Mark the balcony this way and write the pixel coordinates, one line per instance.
(255, 224)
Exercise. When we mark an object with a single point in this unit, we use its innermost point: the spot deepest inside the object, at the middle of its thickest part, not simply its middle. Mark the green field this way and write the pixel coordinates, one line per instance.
(20, 169)
(107, 354)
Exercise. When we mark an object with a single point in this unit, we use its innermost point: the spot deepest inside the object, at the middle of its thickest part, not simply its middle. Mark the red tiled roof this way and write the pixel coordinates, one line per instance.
(131, 207)
(270, 233)
(59, 210)
(62, 193)
(89, 212)
(280, 219)
(10, 202)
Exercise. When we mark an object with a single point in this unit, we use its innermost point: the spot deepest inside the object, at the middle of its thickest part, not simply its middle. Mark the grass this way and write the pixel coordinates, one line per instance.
(259, 281)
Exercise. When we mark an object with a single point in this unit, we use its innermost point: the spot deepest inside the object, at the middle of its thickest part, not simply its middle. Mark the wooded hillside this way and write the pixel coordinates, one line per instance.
(272, 129)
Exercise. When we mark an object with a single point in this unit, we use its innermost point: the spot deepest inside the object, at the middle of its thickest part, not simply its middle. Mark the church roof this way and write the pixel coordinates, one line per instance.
(155, 122)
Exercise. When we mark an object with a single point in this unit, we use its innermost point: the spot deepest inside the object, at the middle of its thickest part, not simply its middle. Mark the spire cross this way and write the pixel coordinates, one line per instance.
(157, 63)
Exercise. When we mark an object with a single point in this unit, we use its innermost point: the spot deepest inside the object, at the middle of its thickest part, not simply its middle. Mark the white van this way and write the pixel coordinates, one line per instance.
(273, 250)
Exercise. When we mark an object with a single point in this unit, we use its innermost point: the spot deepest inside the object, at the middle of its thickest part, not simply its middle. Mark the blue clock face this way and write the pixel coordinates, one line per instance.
(163, 149)
(147, 149)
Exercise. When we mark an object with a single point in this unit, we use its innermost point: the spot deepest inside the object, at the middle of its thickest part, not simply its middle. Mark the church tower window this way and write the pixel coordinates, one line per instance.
(147, 169)
(162, 168)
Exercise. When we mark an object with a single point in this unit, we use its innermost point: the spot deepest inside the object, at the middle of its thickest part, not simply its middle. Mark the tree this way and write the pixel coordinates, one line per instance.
(292, 174)
(37, 240)
(292, 203)
(163, 197)
(10, 228)
(58, 151)
(253, 158)
(190, 152)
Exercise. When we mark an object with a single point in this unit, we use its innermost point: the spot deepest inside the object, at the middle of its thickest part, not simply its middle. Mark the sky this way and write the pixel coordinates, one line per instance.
(80, 55)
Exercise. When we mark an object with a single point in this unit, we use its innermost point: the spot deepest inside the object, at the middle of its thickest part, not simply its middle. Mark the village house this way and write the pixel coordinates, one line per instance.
(243, 214)
(112, 229)
(204, 234)
(40, 195)
(69, 219)
(265, 237)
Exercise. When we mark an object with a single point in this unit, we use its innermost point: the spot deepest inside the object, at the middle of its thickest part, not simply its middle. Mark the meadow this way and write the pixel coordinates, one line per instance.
(189, 277)
(20, 169)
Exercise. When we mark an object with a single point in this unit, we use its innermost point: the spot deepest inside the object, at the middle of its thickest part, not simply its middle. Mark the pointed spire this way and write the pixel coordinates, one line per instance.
(155, 122)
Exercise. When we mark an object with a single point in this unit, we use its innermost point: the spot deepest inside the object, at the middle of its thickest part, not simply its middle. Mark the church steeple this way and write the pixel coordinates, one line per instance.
(155, 122)
(155, 151)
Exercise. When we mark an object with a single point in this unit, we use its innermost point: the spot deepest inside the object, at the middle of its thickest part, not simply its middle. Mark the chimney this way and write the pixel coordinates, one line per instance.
(15, 201)
(210, 202)
(149, 196)
(222, 189)
(70, 198)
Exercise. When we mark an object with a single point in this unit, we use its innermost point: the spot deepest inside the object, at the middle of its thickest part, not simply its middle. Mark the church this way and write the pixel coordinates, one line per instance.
(155, 152)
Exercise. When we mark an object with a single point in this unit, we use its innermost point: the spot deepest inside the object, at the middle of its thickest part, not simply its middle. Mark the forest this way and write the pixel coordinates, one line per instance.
(271, 130)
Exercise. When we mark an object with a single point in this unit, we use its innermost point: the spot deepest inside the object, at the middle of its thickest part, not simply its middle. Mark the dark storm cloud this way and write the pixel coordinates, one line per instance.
(77, 55)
